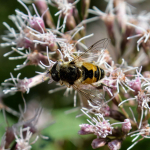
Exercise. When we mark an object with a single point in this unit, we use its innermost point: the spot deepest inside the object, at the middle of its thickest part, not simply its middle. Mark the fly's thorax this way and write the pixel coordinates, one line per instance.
(69, 73)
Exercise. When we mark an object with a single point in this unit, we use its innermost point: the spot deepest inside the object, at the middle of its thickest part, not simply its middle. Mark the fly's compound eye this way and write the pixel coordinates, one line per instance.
(55, 73)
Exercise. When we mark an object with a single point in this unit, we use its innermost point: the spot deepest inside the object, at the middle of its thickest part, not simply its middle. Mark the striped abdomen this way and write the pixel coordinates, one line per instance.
(91, 73)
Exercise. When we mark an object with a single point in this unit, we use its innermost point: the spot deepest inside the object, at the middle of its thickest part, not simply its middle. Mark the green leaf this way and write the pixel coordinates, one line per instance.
(66, 126)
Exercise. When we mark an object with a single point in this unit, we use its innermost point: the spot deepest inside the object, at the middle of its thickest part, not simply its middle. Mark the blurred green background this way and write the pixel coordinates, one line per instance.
(63, 133)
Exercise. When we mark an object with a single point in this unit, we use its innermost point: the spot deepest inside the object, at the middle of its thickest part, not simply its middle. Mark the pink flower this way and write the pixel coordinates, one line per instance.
(101, 127)
(22, 85)
(86, 129)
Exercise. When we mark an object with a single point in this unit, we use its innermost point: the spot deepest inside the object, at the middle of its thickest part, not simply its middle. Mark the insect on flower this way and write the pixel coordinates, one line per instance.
(76, 72)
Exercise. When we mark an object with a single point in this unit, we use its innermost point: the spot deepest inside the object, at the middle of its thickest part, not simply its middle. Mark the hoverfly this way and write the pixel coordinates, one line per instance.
(76, 72)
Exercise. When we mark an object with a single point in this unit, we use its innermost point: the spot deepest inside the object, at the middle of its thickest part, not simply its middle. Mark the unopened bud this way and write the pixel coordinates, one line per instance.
(42, 7)
(9, 136)
(25, 42)
(109, 20)
(146, 74)
(114, 145)
(126, 126)
(85, 7)
(96, 143)
(121, 15)
(37, 23)
(71, 24)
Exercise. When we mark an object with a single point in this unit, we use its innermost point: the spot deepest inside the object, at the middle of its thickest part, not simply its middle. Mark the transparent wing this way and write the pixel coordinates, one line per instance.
(90, 93)
(93, 51)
